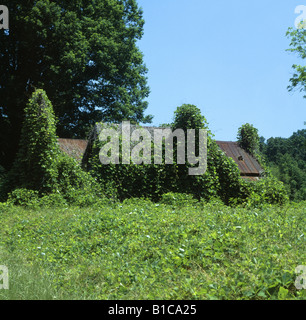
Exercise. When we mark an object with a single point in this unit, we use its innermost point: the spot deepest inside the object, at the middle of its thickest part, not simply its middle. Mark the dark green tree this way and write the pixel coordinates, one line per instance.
(40, 166)
(275, 148)
(248, 138)
(83, 53)
(35, 166)
(286, 158)
(222, 177)
(189, 116)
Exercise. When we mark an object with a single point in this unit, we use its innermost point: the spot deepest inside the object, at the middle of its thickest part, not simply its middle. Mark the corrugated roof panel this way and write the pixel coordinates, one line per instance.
(247, 164)
(75, 148)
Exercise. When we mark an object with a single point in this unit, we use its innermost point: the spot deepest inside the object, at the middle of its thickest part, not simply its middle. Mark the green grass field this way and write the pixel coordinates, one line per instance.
(142, 250)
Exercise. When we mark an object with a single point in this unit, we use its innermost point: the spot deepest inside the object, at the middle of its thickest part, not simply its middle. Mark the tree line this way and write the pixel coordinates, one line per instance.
(286, 158)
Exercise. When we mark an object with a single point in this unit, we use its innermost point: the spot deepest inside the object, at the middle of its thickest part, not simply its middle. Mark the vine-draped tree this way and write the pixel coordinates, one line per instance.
(83, 53)
(35, 165)
(248, 138)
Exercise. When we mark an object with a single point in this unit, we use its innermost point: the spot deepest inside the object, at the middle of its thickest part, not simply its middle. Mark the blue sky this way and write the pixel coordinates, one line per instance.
(228, 58)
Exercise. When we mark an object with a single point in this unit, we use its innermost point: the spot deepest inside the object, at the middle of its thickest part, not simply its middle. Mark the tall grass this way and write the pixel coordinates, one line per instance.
(28, 281)
(142, 250)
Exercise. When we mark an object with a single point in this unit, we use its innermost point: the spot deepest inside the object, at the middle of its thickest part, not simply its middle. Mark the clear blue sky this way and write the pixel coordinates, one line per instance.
(227, 57)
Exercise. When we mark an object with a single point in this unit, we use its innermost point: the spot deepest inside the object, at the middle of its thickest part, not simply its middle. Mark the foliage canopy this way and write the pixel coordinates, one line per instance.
(287, 159)
(40, 168)
(248, 138)
(221, 180)
(83, 54)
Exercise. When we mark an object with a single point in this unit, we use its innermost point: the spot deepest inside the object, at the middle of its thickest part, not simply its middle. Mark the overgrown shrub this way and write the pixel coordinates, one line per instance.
(221, 180)
(23, 197)
(131, 180)
(138, 202)
(177, 199)
(35, 164)
(248, 138)
(41, 173)
(52, 200)
(75, 185)
(274, 190)
(267, 190)
(32, 198)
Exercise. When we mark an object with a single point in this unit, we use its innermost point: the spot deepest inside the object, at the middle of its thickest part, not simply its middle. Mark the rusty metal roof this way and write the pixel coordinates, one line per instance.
(75, 148)
(247, 164)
